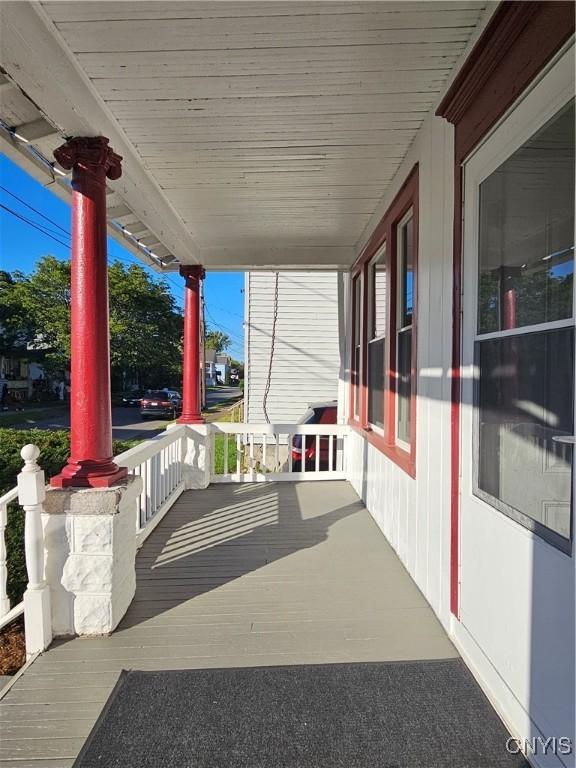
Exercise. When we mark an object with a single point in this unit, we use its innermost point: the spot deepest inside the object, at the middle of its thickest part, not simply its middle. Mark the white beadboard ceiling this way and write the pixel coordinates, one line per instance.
(270, 129)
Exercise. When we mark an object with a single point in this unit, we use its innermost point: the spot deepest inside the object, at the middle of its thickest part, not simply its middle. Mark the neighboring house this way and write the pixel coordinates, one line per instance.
(295, 359)
(211, 372)
(217, 367)
(21, 375)
(223, 368)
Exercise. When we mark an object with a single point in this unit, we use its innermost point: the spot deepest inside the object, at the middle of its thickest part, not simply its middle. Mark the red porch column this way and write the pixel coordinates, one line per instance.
(191, 407)
(90, 464)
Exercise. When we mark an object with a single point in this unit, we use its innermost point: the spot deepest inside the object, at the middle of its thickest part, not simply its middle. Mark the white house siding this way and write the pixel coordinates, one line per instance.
(306, 359)
(415, 514)
(516, 628)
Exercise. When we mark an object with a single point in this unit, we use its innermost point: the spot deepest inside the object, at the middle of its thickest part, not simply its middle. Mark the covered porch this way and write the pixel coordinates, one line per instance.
(353, 137)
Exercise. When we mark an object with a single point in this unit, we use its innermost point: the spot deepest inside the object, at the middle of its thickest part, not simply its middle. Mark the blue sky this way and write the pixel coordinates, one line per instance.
(47, 230)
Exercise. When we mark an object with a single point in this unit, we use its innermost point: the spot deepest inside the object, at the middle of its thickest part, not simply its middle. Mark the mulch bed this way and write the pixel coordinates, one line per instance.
(12, 647)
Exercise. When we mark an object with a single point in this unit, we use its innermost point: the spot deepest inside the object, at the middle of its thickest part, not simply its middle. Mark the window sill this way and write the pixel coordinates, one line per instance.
(402, 458)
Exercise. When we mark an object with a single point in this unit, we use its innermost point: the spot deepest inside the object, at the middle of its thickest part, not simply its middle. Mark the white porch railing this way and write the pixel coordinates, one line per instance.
(269, 452)
(159, 462)
(239, 453)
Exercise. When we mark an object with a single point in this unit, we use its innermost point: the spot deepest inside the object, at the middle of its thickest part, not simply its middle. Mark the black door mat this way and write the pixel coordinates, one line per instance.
(428, 714)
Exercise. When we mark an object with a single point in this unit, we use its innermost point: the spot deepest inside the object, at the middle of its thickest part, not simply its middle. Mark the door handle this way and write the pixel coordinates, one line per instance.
(564, 439)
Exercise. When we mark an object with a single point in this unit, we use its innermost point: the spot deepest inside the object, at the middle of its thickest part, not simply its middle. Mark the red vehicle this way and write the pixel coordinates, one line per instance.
(161, 403)
(317, 413)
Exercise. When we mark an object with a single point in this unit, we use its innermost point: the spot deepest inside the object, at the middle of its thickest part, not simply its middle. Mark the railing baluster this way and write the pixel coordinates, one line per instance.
(4, 601)
(277, 452)
(167, 467)
(270, 449)
(149, 486)
(157, 484)
(173, 480)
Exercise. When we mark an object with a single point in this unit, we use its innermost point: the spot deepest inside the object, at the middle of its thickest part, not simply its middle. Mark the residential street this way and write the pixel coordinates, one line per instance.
(126, 422)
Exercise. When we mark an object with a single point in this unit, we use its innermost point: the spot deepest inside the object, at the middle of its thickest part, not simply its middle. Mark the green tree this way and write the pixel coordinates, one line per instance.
(15, 326)
(43, 299)
(145, 327)
(217, 340)
(145, 323)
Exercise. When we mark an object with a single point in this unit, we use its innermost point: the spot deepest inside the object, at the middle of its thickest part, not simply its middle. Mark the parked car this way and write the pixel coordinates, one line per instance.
(133, 399)
(161, 403)
(317, 413)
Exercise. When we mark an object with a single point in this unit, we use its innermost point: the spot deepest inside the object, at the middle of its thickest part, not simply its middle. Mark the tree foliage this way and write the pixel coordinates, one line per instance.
(145, 323)
(145, 327)
(217, 340)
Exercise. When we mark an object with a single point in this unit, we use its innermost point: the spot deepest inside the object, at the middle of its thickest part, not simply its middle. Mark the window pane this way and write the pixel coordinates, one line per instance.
(376, 382)
(406, 275)
(357, 310)
(378, 289)
(356, 381)
(525, 397)
(404, 384)
(526, 243)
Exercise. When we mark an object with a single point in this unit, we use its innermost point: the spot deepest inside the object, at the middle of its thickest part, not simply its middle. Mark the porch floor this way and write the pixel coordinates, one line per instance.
(237, 575)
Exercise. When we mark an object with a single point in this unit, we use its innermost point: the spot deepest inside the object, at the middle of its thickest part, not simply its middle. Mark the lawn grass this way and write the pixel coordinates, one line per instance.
(219, 447)
(31, 415)
(219, 442)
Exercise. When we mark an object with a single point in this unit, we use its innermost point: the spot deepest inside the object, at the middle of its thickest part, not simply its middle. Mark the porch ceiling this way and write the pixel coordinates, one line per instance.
(254, 133)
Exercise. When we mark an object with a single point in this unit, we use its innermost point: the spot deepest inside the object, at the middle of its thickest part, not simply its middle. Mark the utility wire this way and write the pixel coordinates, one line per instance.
(126, 259)
(34, 225)
(55, 235)
(223, 328)
(31, 207)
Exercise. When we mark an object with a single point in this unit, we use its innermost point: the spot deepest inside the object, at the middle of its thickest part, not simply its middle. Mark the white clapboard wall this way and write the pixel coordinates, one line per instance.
(306, 359)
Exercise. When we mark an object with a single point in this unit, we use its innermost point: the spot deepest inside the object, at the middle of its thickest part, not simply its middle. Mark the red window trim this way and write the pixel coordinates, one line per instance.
(386, 232)
(517, 44)
(357, 377)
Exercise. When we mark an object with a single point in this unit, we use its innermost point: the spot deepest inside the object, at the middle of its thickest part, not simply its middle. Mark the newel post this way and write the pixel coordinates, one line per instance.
(31, 495)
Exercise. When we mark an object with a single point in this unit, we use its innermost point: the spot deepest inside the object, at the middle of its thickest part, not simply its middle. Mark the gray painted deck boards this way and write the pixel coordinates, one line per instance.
(237, 575)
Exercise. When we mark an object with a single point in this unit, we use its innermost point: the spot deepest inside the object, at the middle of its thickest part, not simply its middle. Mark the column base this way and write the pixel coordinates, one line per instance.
(83, 479)
(90, 555)
(193, 419)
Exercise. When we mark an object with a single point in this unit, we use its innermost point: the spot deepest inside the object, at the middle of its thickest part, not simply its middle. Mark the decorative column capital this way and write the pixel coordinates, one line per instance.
(92, 154)
(192, 273)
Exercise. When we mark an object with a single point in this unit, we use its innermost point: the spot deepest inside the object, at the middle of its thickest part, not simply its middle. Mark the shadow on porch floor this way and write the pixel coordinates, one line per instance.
(237, 575)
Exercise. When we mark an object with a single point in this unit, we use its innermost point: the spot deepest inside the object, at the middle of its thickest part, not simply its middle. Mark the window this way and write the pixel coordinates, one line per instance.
(405, 311)
(356, 343)
(524, 347)
(384, 309)
(377, 289)
(527, 232)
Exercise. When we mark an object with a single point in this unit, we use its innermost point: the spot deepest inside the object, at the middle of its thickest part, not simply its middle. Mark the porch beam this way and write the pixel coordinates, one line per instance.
(191, 406)
(36, 130)
(91, 161)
